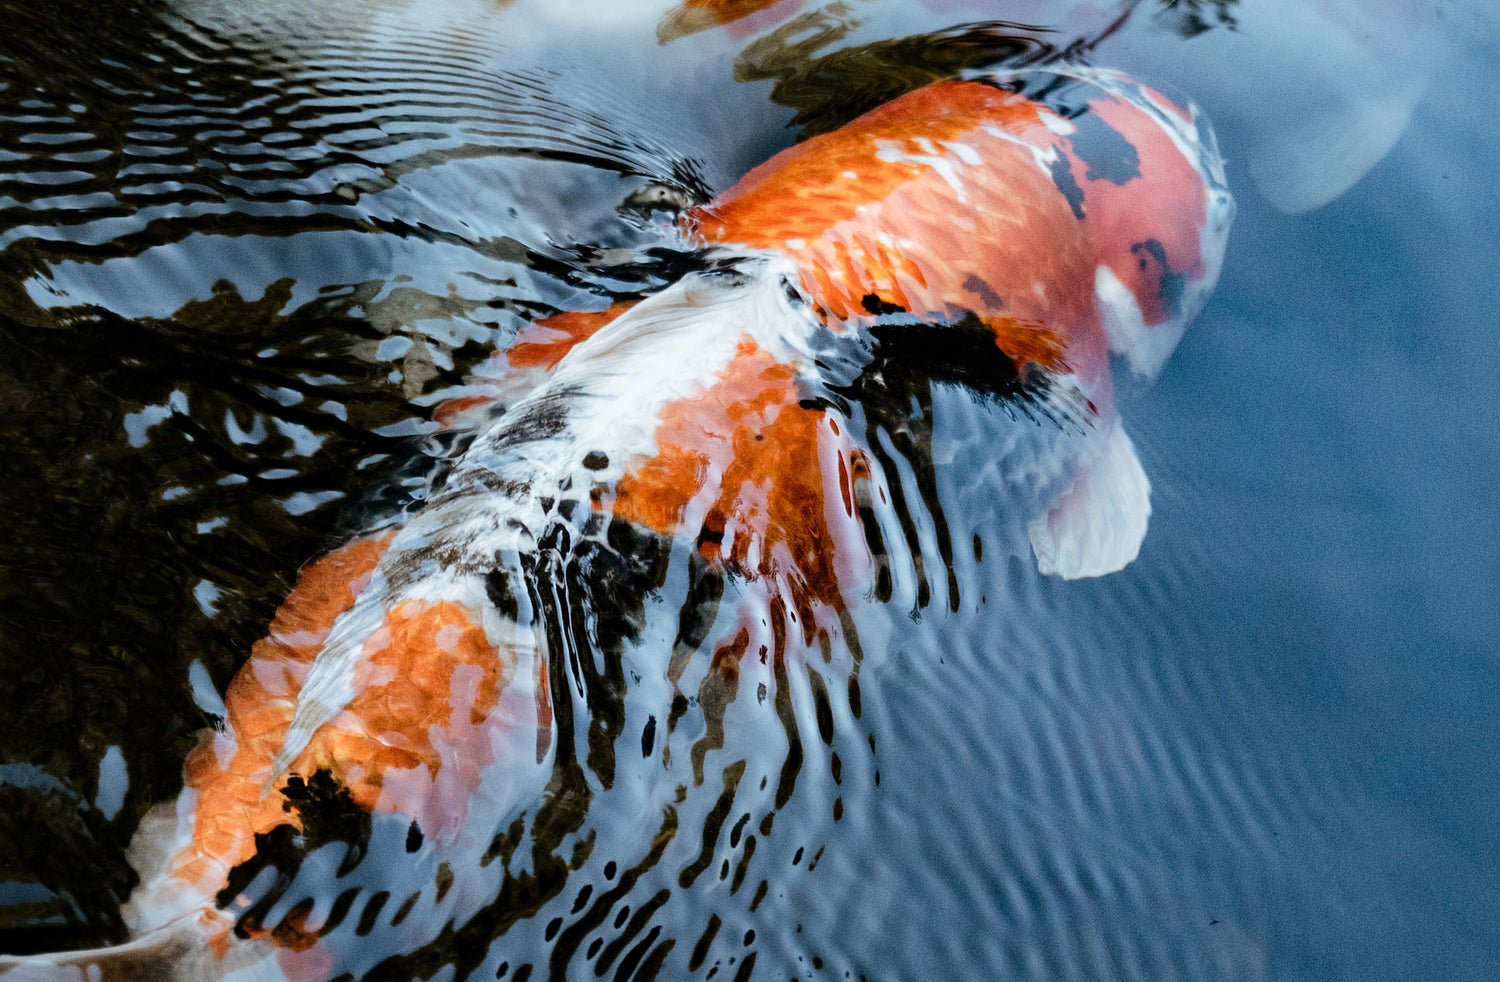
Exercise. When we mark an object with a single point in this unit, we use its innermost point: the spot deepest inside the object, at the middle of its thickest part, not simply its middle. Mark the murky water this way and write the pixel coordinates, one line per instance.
(245, 249)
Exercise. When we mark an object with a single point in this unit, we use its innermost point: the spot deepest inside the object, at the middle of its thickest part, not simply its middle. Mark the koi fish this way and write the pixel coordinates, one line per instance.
(1046, 220)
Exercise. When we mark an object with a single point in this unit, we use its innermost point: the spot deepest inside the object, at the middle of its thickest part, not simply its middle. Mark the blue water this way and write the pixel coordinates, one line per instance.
(1263, 751)
(1338, 456)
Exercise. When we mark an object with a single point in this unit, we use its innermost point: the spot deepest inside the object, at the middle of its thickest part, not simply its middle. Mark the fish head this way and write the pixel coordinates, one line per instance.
(1144, 175)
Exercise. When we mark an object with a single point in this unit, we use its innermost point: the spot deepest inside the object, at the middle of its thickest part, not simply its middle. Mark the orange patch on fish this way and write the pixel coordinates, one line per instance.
(725, 11)
(692, 16)
(1023, 343)
(428, 673)
(937, 203)
(448, 412)
(743, 461)
(804, 191)
(413, 738)
(226, 772)
(543, 343)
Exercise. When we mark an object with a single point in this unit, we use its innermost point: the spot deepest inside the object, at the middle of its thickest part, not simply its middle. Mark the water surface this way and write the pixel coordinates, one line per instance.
(244, 250)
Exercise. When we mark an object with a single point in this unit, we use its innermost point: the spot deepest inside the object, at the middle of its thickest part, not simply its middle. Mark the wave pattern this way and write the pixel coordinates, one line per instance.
(1101, 737)
(218, 138)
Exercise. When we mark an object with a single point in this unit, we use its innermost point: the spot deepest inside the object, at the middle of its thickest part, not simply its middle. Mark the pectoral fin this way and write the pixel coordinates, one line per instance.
(1098, 523)
(1352, 134)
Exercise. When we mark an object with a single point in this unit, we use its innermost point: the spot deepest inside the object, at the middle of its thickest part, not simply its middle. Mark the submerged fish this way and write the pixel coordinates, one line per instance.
(1336, 85)
(1005, 232)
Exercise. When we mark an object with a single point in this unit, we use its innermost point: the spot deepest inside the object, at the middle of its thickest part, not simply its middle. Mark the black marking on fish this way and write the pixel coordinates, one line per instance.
(328, 813)
(504, 844)
(975, 285)
(822, 707)
(1108, 155)
(371, 912)
(894, 393)
(695, 619)
(1062, 177)
(493, 483)
(413, 837)
(1172, 285)
(593, 583)
(963, 353)
(340, 910)
(593, 525)
(700, 949)
(501, 590)
(406, 908)
(596, 460)
(648, 737)
(873, 304)
(401, 567)
(539, 418)
(557, 540)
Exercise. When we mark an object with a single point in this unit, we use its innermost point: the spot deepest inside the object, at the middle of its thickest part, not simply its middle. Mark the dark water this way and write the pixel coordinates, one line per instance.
(244, 249)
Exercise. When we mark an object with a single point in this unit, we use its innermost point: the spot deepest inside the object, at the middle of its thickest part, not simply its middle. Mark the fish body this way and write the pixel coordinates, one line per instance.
(407, 689)
(1087, 223)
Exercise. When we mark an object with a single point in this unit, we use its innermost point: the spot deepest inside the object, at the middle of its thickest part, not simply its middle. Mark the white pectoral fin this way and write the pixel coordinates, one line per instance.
(1351, 135)
(1097, 524)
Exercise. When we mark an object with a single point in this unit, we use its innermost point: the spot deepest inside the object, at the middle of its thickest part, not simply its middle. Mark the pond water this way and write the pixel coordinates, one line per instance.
(246, 248)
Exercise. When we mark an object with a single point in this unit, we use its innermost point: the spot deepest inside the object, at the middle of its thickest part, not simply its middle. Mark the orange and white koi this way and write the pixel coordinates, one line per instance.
(1062, 217)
